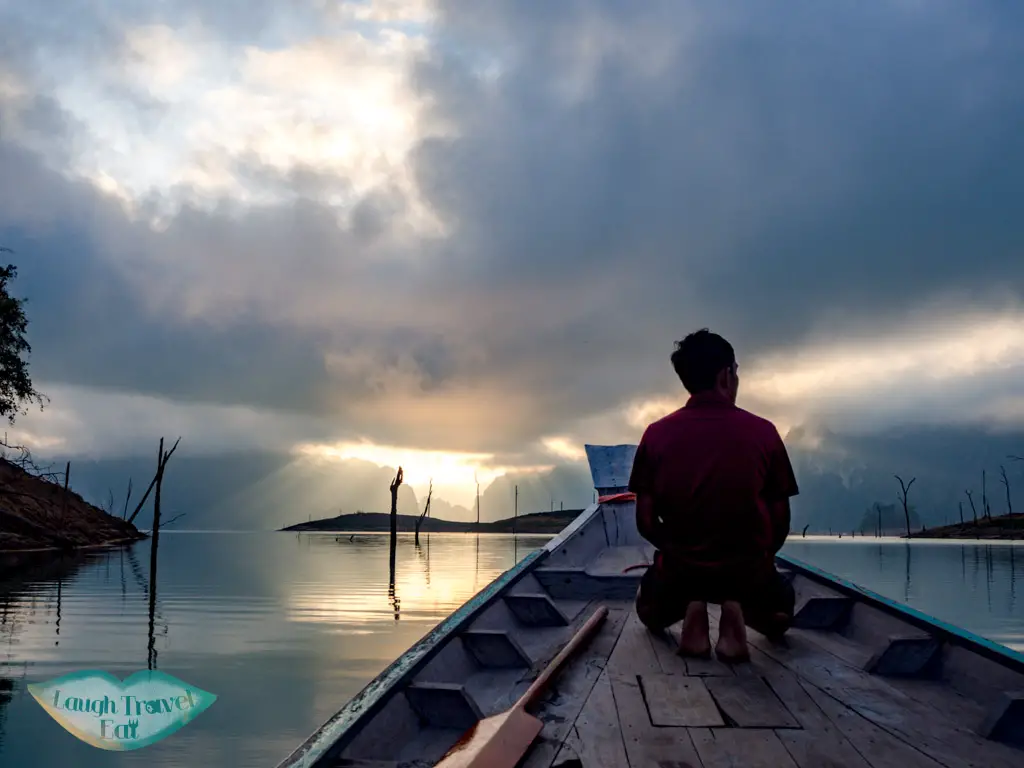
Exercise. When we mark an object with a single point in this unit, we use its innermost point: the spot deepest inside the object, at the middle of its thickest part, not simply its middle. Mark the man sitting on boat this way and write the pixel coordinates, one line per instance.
(713, 483)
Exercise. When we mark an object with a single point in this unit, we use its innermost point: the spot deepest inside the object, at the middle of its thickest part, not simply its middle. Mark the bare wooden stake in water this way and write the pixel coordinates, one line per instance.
(127, 498)
(161, 465)
(152, 483)
(426, 511)
(984, 498)
(515, 521)
(394, 519)
(905, 489)
(67, 477)
(1006, 482)
(515, 510)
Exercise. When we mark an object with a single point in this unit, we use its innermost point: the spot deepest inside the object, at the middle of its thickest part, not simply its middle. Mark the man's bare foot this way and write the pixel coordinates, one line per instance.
(695, 640)
(732, 635)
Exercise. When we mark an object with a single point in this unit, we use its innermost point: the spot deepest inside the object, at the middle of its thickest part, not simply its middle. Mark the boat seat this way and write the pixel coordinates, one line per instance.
(825, 613)
(536, 610)
(494, 648)
(443, 705)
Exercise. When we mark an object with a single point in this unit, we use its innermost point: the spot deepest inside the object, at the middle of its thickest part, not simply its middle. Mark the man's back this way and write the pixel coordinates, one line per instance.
(712, 485)
(713, 471)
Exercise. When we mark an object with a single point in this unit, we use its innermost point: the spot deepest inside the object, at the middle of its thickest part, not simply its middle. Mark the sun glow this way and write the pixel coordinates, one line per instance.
(454, 474)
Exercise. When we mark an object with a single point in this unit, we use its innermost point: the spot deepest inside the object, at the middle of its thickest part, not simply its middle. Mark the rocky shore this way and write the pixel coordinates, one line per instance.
(38, 515)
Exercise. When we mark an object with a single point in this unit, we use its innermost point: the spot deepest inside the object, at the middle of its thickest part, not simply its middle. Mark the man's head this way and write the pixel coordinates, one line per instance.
(704, 361)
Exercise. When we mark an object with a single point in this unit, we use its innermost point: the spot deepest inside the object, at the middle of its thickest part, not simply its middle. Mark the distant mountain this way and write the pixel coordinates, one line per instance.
(564, 487)
(840, 477)
(266, 491)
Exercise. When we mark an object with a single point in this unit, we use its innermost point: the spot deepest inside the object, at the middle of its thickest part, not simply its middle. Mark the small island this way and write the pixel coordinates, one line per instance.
(996, 527)
(379, 522)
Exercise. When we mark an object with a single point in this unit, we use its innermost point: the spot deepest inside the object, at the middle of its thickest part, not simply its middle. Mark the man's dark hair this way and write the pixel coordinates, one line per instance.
(698, 359)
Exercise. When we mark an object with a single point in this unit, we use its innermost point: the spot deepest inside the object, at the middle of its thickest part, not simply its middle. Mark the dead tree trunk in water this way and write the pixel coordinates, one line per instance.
(426, 512)
(974, 511)
(152, 483)
(905, 488)
(1006, 482)
(158, 480)
(961, 513)
(984, 498)
(394, 519)
(64, 507)
(127, 498)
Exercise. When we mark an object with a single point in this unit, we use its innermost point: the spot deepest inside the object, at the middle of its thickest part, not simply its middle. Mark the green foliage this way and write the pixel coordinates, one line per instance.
(16, 388)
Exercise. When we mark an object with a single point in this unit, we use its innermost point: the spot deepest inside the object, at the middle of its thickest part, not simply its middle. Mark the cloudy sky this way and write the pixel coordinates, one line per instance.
(465, 235)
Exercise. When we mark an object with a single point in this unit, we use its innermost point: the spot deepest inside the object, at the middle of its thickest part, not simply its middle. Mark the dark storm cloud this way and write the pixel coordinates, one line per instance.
(90, 326)
(629, 175)
(773, 167)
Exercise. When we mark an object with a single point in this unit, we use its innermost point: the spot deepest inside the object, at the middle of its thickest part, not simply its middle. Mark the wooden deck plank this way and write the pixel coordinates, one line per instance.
(821, 750)
(786, 685)
(737, 748)
(682, 702)
(928, 728)
(648, 746)
(570, 690)
(666, 644)
(934, 694)
(748, 702)
(596, 737)
(708, 668)
(878, 747)
(825, 738)
(634, 653)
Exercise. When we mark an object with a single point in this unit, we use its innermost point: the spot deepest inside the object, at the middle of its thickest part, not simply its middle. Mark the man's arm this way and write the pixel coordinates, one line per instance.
(641, 482)
(648, 522)
(781, 519)
(780, 485)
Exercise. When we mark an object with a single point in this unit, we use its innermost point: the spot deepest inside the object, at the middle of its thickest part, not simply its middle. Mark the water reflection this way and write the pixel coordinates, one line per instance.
(302, 622)
(979, 595)
(305, 622)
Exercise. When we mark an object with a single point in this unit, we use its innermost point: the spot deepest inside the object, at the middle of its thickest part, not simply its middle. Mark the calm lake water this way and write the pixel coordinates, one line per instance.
(285, 628)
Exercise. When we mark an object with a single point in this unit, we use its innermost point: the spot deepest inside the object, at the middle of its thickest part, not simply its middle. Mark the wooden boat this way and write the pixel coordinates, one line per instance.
(859, 681)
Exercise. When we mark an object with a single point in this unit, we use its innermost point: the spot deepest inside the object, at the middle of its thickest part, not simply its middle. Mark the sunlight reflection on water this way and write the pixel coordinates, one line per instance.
(285, 628)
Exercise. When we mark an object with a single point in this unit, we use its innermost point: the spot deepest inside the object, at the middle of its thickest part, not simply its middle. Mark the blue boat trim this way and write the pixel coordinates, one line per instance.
(334, 735)
(948, 632)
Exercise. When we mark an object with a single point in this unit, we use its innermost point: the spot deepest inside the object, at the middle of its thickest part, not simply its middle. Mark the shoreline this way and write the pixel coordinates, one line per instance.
(100, 545)
(539, 523)
(1008, 527)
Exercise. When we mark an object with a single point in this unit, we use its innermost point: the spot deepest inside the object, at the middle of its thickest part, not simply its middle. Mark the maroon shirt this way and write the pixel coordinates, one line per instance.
(713, 470)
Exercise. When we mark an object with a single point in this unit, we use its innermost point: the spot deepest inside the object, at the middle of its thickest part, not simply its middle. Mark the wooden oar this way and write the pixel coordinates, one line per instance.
(501, 740)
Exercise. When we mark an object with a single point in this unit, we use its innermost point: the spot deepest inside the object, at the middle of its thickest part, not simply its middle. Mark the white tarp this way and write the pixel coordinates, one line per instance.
(610, 465)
